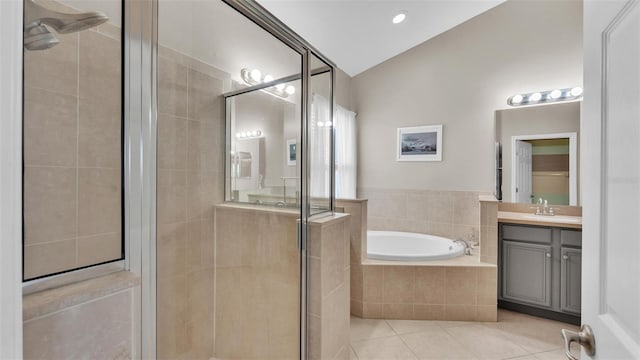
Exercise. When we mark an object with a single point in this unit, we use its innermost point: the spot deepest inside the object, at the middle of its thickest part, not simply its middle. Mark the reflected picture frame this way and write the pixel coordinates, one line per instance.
(419, 143)
(291, 152)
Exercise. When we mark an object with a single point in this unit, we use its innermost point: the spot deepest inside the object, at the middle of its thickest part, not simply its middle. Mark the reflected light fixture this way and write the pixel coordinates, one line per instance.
(543, 97)
(400, 17)
(249, 134)
(254, 77)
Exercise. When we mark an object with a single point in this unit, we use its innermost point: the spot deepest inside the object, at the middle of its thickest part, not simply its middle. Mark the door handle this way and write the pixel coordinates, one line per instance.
(584, 337)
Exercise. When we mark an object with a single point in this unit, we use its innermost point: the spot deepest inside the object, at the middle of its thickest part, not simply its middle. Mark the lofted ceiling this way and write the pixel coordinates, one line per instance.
(359, 34)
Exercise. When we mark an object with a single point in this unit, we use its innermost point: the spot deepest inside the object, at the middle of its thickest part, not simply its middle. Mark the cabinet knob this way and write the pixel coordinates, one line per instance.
(548, 255)
(565, 257)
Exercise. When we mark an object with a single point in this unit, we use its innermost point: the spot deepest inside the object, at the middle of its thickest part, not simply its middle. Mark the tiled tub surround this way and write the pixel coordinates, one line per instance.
(88, 319)
(329, 287)
(463, 288)
(190, 181)
(72, 151)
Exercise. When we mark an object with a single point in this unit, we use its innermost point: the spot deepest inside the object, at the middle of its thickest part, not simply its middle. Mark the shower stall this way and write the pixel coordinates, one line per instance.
(191, 144)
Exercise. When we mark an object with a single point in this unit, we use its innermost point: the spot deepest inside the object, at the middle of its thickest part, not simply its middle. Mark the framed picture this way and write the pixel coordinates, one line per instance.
(291, 152)
(420, 143)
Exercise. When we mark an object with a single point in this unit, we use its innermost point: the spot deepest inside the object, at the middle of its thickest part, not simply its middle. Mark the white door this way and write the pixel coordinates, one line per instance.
(611, 178)
(524, 174)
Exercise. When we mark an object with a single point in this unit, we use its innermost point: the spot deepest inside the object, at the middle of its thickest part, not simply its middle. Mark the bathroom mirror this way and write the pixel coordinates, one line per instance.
(537, 154)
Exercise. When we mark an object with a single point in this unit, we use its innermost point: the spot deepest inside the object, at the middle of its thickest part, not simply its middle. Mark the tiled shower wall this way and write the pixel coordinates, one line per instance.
(452, 214)
(72, 152)
(190, 182)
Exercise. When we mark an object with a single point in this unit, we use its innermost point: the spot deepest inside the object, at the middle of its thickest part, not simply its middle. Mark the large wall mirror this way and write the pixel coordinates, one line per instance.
(537, 154)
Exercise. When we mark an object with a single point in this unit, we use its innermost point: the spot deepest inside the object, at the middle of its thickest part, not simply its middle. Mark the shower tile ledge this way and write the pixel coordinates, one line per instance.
(52, 300)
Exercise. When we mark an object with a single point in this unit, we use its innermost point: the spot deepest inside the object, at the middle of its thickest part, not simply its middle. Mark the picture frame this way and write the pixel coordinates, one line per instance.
(419, 143)
(291, 152)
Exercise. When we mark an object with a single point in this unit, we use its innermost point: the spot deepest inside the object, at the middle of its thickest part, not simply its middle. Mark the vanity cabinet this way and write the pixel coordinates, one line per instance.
(539, 270)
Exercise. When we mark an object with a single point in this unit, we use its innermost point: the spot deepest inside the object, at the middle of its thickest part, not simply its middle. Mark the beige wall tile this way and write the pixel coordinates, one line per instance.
(487, 286)
(466, 209)
(460, 286)
(418, 207)
(171, 249)
(204, 149)
(356, 282)
(99, 201)
(487, 313)
(372, 311)
(398, 311)
(315, 286)
(205, 102)
(49, 258)
(75, 333)
(172, 88)
(356, 308)
(172, 320)
(315, 337)
(460, 312)
(49, 204)
(429, 285)
(100, 68)
(200, 248)
(99, 248)
(440, 207)
(172, 142)
(383, 203)
(399, 284)
(335, 322)
(373, 279)
(200, 193)
(333, 240)
(172, 196)
(200, 295)
(428, 312)
(54, 69)
(50, 128)
(230, 249)
(200, 335)
(99, 138)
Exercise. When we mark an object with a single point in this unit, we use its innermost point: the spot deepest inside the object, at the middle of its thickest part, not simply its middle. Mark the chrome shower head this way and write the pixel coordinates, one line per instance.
(36, 16)
(39, 38)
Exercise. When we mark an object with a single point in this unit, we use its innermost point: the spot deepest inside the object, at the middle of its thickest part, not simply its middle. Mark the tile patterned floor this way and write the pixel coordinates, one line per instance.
(514, 336)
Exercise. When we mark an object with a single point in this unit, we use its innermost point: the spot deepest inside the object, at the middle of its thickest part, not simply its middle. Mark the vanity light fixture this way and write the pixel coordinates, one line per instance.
(542, 97)
(249, 134)
(254, 77)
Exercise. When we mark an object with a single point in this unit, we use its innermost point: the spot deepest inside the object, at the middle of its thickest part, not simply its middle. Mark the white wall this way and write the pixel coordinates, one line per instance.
(459, 79)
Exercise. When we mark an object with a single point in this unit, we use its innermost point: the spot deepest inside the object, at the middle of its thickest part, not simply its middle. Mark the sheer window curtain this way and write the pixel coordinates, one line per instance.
(346, 154)
(346, 150)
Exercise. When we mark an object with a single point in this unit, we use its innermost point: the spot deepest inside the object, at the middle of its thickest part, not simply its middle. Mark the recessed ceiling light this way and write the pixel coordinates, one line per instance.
(399, 18)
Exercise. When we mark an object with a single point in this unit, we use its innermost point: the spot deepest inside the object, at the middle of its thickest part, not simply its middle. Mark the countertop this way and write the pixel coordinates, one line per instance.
(574, 222)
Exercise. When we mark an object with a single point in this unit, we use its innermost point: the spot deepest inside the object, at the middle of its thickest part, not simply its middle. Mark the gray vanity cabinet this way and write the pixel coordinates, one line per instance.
(570, 280)
(526, 272)
(539, 270)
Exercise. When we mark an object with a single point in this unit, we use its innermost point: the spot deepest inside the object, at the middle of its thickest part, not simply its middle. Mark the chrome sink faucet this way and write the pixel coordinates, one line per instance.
(468, 245)
(544, 209)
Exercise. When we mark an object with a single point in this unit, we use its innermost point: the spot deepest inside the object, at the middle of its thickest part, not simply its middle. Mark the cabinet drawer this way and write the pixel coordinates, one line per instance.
(526, 233)
(570, 238)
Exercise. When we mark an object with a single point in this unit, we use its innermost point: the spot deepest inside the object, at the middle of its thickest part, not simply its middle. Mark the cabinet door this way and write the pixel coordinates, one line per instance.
(526, 273)
(570, 280)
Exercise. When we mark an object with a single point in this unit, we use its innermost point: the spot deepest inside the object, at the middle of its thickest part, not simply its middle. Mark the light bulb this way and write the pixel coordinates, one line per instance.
(327, 124)
(244, 134)
(238, 135)
(256, 75)
(576, 91)
(517, 99)
(535, 97)
(320, 124)
(268, 78)
(254, 133)
(259, 133)
(280, 87)
(555, 94)
(290, 90)
(399, 18)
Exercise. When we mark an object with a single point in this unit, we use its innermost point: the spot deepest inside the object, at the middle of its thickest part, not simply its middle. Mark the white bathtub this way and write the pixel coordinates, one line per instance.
(404, 246)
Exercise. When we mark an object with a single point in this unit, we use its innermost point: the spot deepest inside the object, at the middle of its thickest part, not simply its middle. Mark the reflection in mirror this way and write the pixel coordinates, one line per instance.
(537, 154)
(264, 129)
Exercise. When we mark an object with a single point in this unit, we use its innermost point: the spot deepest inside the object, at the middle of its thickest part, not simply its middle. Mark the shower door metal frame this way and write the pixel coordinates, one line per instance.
(264, 19)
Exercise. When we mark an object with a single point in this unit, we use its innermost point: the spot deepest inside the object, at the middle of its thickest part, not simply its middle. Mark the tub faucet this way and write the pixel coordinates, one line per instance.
(468, 246)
